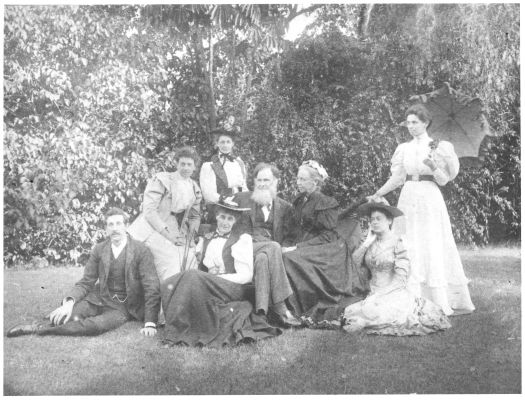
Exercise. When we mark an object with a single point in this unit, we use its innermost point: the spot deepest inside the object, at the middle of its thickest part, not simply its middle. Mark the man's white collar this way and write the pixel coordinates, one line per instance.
(117, 249)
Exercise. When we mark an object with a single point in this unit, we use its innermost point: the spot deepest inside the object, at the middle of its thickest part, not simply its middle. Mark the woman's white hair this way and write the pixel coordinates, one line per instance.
(317, 168)
(319, 174)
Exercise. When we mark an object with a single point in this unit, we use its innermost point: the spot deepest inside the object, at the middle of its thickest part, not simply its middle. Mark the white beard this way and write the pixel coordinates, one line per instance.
(264, 197)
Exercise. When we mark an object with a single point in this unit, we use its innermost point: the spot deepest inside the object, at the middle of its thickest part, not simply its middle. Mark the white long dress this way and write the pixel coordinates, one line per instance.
(436, 268)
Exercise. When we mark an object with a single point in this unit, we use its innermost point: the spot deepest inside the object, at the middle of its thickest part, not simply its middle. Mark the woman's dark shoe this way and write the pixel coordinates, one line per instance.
(284, 320)
(334, 324)
(24, 329)
(291, 321)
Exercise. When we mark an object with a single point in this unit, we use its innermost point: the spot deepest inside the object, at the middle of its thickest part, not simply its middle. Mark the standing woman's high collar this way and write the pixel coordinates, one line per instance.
(423, 138)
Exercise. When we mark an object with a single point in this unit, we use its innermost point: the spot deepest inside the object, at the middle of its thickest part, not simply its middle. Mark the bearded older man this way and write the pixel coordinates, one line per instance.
(268, 223)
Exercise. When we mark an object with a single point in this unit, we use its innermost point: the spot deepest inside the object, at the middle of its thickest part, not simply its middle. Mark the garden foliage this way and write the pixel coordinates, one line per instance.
(96, 98)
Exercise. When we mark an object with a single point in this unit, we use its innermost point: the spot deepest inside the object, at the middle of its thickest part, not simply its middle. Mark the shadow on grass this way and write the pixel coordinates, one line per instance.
(481, 353)
(9, 391)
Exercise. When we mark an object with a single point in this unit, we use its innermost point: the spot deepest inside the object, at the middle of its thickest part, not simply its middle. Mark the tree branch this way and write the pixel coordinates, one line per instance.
(294, 13)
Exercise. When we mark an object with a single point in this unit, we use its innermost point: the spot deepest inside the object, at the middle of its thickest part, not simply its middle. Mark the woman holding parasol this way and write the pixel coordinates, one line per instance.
(420, 166)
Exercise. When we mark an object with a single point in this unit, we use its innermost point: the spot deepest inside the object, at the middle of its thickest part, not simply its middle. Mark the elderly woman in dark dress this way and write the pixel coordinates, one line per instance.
(317, 263)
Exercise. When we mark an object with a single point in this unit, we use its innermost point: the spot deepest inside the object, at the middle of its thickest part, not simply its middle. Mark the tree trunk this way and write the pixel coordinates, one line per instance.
(232, 74)
(365, 10)
(206, 99)
(211, 91)
(249, 78)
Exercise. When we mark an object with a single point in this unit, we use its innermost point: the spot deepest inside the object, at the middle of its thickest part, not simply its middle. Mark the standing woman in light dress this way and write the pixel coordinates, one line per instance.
(171, 216)
(420, 166)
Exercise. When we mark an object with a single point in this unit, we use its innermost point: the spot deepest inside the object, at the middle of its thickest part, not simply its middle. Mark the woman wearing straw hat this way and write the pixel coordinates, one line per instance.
(213, 306)
(389, 309)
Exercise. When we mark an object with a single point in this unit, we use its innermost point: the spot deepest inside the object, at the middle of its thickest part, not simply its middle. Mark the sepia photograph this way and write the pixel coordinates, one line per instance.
(261, 199)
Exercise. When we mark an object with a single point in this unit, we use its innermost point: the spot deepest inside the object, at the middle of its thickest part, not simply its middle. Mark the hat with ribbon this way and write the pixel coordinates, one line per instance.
(367, 208)
(229, 205)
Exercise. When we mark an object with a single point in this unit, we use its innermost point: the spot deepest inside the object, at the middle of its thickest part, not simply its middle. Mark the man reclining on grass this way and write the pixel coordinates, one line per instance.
(127, 288)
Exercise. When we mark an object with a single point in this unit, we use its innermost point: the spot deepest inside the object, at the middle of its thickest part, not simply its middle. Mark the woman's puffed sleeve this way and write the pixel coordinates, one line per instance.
(397, 172)
(153, 194)
(208, 183)
(242, 253)
(327, 216)
(401, 262)
(447, 163)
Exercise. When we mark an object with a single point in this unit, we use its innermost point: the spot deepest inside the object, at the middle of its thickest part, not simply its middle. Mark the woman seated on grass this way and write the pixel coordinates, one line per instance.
(213, 306)
(389, 309)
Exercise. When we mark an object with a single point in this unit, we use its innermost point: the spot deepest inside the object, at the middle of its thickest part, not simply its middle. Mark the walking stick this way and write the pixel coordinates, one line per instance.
(189, 238)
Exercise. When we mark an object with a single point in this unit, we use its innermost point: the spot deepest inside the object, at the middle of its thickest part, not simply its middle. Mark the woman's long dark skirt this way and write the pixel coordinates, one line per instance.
(323, 280)
(205, 310)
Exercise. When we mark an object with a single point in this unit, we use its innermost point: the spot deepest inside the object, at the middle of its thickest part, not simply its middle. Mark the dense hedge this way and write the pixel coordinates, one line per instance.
(95, 101)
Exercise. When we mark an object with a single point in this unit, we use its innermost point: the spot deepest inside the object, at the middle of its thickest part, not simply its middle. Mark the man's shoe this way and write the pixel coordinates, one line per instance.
(24, 329)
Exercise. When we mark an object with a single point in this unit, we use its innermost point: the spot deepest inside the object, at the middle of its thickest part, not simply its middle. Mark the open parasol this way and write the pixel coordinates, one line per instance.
(456, 118)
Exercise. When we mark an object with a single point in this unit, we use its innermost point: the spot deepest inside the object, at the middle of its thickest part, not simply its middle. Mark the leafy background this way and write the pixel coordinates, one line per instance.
(96, 98)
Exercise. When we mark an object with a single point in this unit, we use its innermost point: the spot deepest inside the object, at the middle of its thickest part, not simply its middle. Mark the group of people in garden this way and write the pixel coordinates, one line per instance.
(217, 264)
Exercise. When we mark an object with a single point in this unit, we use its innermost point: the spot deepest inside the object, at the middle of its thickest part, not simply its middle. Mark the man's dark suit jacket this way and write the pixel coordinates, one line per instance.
(282, 216)
(142, 282)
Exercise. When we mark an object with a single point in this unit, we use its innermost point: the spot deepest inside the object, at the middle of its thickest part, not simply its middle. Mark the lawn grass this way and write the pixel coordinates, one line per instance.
(481, 353)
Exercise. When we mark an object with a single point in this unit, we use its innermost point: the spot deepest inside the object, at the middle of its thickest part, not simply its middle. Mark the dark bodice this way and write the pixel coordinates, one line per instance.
(315, 217)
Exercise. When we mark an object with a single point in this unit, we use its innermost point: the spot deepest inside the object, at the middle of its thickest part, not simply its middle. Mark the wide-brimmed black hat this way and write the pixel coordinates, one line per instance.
(230, 205)
(367, 208)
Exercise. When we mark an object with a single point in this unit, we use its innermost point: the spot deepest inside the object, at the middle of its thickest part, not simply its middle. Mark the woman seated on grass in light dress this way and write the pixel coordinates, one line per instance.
(389, 309)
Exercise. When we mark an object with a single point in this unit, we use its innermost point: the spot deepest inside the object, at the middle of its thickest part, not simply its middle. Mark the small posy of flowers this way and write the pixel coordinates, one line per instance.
(433, 144)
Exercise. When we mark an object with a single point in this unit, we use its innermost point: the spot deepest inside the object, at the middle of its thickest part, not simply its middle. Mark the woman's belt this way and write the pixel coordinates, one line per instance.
(417, 178)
